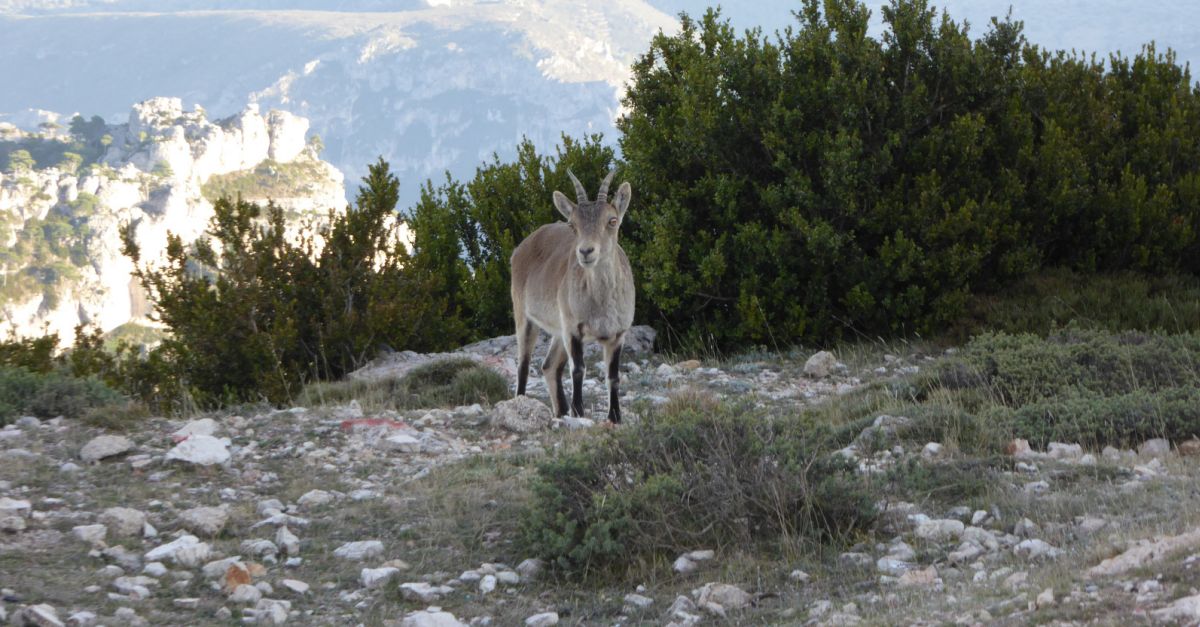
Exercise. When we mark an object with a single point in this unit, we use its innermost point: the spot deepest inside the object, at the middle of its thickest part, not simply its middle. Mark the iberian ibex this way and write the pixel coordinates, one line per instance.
(573, 280)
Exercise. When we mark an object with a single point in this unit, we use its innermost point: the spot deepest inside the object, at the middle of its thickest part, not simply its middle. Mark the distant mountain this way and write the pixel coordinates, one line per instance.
(430, 86)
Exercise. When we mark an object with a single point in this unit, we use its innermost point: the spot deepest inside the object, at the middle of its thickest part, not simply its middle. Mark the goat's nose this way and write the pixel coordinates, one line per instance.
(587, 251)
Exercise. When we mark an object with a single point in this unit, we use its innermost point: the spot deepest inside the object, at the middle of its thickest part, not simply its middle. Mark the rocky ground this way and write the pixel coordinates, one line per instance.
(332, 515)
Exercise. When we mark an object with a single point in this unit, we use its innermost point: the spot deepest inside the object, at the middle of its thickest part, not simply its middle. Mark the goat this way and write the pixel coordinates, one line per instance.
(573, 280)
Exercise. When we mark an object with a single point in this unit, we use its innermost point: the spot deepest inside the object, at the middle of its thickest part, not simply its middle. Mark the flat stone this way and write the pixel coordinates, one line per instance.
(206, 521)
(203, 426)
(91, 534)
(359, 551)
(202, 450)
(245, 593)
(104, 446)
(124, 521)
(376, 577)
(726, 595)
(294, 585)
(271, 611)
(1035, 549)
(431, 617)
(545, 619)
(940, 530)
(423, 592)
(314, 498)
(1147, 552)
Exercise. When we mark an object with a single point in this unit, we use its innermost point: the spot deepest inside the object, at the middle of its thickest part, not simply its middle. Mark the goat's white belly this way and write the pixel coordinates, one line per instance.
(545, 317)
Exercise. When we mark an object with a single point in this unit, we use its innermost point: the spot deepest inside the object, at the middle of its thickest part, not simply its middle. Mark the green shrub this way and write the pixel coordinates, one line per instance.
(254, 314)
(442, 383)
(1123, 420)
(696, 474)
(46, 395)
(826, 181)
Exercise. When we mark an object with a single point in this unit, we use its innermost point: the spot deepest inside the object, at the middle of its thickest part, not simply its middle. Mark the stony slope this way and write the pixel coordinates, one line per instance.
(335, 515)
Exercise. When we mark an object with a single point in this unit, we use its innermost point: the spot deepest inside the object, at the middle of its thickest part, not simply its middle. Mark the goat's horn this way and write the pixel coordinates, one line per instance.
(580, 192)
(602, 195)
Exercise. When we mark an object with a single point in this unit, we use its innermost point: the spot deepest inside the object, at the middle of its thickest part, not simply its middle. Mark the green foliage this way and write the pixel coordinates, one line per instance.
(48, 394)
(697, 473)
(30, 353)
(1049, 300)
(269, 179)
(20, 161)
(254, 314)
(1077, 385)
(464, 234)
(444, 383)
(824, 181)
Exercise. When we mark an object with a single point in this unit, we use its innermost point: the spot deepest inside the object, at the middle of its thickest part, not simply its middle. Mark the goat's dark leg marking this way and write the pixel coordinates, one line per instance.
(526, 354)
(577, 375)
(614, 395)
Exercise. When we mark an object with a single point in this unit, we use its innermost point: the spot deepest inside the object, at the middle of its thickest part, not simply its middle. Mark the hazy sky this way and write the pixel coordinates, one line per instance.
(1100, 26)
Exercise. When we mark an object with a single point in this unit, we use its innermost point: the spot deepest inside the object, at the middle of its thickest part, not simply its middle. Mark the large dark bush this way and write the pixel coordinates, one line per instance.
(796, 187)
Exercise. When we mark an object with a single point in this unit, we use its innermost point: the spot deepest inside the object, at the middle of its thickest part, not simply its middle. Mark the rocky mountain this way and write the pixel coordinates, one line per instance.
(431, 86)
(64, 197)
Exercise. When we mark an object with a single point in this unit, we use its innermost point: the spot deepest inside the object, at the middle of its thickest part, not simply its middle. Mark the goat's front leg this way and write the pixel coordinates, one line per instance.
(612, 359)
(575, 342)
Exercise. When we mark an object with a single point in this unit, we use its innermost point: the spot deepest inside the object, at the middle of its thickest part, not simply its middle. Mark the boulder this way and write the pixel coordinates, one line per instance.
(104, 446)
(523, 415)
(202, 450)
(205, 521)
(820, 365)
(124, 521)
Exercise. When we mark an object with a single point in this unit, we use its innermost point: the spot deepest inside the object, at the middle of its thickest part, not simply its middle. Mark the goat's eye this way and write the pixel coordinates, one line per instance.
(612, 222)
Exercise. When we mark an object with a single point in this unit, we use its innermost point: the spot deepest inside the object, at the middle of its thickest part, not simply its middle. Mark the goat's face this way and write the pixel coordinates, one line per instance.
(595, 222)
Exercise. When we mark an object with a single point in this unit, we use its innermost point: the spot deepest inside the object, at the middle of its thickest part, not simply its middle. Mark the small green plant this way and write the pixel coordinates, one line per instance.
(442, 383)
(698, 472)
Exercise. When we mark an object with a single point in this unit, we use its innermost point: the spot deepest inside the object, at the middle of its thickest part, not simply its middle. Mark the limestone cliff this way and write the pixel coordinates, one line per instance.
(60, 258)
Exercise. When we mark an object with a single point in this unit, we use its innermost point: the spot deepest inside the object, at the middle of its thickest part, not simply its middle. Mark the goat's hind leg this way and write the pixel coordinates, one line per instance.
(526, 340)
(552, 370)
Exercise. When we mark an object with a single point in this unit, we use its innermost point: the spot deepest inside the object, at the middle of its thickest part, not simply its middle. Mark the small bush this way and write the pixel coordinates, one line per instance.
(697, 475)
(442, 383)
(1124, 420)
(47, 395)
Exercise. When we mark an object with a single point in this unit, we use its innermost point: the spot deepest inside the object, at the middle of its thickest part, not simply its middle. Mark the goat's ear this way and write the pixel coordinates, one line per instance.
(564, 206)
(621, 200)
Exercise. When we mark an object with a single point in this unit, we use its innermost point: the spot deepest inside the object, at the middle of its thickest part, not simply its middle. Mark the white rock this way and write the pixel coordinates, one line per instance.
(202, 450)
(1147, 552)
(432, 617)
(1059, 450)
(1185, 610)
(103, 446)
(799, 575)
(288, 540)
(487, 584)
(424, 592)
(683, 565)
(1045, 599)
(271, 611)
(1034, 549)
(726, 595)
(81, 619)
(892, 566)
(571, 422)
(183, 548)
(639, 601)
(931, 450)
(531, 568)
(979, 517)
(701, 555)
(1155, 447)
(820, 364)
(124, 521)
(245, 593)
(545, 619)
(203, 426)
(924, 577)
(91, 534)
(295, 585)
(155, 569)
(940, 530)
(359, 551)
(15, 507)
(314, 498)
(41, 615)
(523, 414)
(401, 442)
(208, 521)
(376, 577)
